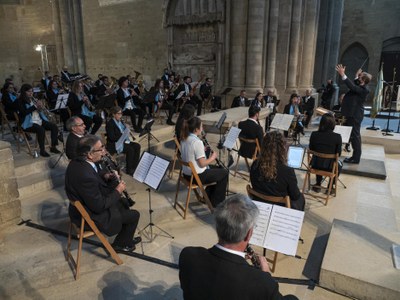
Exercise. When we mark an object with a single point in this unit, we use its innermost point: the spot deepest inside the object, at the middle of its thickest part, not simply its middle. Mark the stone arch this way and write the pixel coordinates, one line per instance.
(390, 56)
(196, 37)
(355, 56)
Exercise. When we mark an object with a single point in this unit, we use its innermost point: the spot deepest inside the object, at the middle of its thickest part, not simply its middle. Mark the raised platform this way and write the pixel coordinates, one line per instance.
(367, 168)
(375, 137)
(358, 262)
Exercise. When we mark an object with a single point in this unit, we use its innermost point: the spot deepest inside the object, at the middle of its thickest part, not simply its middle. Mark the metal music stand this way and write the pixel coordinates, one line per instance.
(60, 137)
(147, 131)
(224, 93)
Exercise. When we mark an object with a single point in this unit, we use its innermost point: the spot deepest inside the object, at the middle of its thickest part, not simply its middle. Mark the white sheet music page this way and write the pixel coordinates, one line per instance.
(143, 167)
(284, 230)
(261, 226)
(156, 172)
(344, 131)
(62, 100)
(231, 138)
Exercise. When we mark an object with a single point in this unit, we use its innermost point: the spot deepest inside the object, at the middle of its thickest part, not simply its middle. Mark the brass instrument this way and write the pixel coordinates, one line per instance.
(137, 74)
(42, 108)
(255, 260)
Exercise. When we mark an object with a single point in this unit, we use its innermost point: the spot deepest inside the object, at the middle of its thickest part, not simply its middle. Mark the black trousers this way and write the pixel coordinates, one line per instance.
(96, 121)
(170, 108)
(130, 220)
(216, 192)
(355, 137)
(41, 131)
(308, 116)
(132, 151)
(133, 113)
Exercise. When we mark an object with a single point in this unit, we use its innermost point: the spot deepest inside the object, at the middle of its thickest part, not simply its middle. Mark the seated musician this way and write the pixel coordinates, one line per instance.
(222, 272)
(270, 98)
(270, 174)
(206, 93)
(33, 119)
(114, 130)
(80, 105)
(9, 100)
(66, 76)
(183, 87)
(76, 128)
(192, 150)
(308, 103)
(240, 100)
(125, 99)
(104, 203)
(250, 129)
(52, 94)
(104, 88)
(161, 101)
(294, 108)
(325, 141)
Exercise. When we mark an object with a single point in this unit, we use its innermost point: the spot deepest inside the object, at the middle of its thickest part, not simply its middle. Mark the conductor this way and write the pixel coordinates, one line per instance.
(353, 108)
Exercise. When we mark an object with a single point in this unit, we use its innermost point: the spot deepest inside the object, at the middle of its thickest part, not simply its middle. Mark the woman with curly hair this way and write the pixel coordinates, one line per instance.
(270, 174)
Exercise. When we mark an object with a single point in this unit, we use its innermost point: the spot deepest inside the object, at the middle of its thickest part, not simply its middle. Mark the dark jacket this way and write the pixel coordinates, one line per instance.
(216, 274)
(71, 146)
(236, 102)
(353, 101)
(250, 130)
(328, 142)
(285, 184)
(309, 105)
(74, 104)
(84, 184)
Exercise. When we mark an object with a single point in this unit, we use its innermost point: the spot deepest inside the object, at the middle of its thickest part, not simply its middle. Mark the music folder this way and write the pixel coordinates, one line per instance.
(62, 100)
(344, 131)
(282, 121)
(295, 157)
(231, 138)
(277, 228)
(151, 170)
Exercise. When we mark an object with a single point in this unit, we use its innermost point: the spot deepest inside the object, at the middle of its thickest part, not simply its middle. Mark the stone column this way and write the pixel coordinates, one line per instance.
(78, 37)
(10, 205)
(238, 37)
(66, 33)
(294, 45)
(58, 35)
(309, 43)
(272, 43)
(255, 43)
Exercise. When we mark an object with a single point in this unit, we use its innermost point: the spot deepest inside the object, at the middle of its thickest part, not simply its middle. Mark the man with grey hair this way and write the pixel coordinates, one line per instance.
(222, 272)
(104, 204)
(76, 128)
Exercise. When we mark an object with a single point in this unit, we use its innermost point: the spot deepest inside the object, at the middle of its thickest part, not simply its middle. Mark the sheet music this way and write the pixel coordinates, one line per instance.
(143, 167)
(231, 138)
(344, 131)
(284, 230)
(261, 226)
(156, 172)
(62, 100)
(270, 105)
(295, 157)
(119, 145)
(282, 121)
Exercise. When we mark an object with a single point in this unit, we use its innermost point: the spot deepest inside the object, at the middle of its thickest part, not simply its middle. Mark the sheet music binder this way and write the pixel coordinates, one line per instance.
(151, 170)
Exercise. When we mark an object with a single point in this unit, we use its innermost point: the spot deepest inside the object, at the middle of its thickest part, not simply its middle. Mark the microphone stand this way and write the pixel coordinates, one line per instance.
(386, 132)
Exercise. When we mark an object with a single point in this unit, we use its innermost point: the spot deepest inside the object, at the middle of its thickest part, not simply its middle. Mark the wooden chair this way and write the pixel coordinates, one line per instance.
(176, 154)
(194, 183)
(332, 174)
(257, 150)
(81, 234)
(6, 122)
(157, 115)
(278, 200)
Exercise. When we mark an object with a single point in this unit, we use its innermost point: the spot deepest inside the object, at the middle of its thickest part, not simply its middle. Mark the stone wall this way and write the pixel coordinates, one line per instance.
(21, 28)
(10, 206)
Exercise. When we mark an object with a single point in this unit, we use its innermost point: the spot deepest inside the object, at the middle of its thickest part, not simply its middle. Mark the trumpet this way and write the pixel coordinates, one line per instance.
(40, 107)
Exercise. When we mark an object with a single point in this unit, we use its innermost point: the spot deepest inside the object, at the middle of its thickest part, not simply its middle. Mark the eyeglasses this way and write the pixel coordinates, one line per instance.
(99, 150)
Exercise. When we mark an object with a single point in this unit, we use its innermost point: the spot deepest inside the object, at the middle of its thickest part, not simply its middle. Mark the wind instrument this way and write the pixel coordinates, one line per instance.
(87, 102)
(42, 108)
(207, 144)
(255, 260)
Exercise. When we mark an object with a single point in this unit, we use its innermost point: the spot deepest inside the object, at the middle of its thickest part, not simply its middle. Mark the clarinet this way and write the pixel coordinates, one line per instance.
(107, 159)
(253, 257)
(207, 144)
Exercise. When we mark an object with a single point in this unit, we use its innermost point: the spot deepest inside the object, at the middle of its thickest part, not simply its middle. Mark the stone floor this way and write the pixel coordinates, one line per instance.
(33, 266)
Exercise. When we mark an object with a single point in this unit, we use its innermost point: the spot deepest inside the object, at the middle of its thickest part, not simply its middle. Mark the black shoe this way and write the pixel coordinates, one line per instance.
(316, 189)
(54, 150)
(347, 148)
(351, 160)
(169, 122)
(44, 154)
(136, 240)
(124, 249)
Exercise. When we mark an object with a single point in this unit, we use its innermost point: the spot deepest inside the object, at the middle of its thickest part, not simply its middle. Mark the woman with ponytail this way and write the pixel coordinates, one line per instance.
(192, 150)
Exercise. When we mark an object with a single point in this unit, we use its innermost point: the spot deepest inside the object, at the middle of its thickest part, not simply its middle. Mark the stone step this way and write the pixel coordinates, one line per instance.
(36, 183)
(25, 167)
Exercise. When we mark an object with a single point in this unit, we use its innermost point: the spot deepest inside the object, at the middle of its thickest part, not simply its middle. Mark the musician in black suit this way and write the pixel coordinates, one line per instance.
(353, 108)
(250, 129)
(206, 93)
(9, 100)
(327, 94)
(186, 87)
(222, 271)
(240, 100)
(307, 105)
(76, 128)
(114, 130)
(126, 101)
(270, 98)
(270, 174)
(66, 76)
(325, 141)
(104, 204)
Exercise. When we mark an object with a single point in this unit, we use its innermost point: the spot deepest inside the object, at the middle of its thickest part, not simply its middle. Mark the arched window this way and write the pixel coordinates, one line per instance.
(354, 57)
